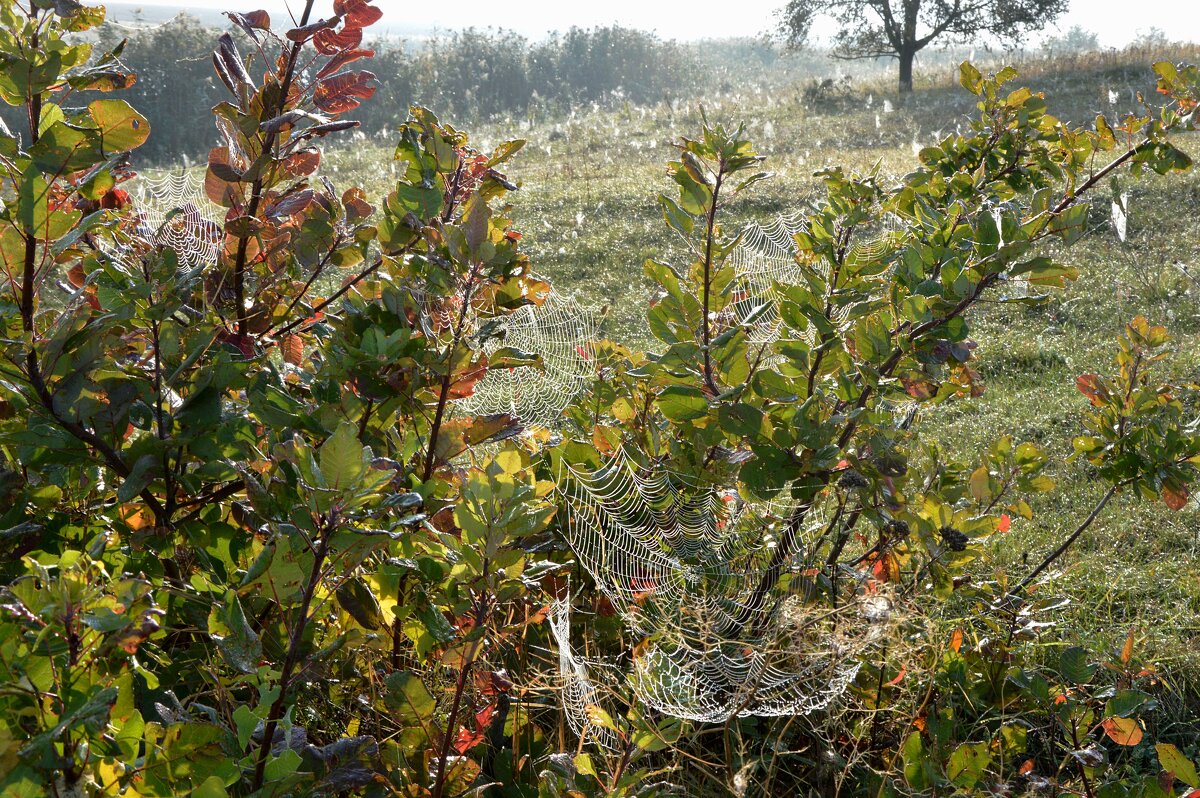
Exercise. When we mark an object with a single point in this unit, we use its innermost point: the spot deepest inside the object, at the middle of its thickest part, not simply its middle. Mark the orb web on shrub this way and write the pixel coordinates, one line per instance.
(562, 333)
(682, 564)
(175, 212)
(577, 690)
(763, 257)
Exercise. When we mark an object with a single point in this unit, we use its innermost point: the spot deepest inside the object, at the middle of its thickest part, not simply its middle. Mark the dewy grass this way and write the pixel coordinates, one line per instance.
(588, 212)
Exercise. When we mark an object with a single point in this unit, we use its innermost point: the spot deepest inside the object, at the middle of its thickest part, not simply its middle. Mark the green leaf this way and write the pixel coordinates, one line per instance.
(356, 598)
(121, 128)
(970, 77)
(343, 460)
(235, 639)
(1125, 703)
(682, 403)
(409, 698)
(1074, 666)
(676, 218)
(967, 764)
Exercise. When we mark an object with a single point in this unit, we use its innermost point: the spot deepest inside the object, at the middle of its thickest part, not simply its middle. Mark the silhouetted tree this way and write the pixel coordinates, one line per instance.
(901, 28)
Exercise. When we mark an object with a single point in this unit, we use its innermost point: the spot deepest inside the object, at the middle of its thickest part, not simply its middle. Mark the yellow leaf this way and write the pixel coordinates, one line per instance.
(980, 484)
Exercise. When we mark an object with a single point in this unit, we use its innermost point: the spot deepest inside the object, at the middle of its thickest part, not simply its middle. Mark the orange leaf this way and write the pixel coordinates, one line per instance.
(1004, 524)
(293, 350)
(1122, 731)
(1026, 767)
(1127, 649)
(899, 677)
(1175, 496)
(956, 640)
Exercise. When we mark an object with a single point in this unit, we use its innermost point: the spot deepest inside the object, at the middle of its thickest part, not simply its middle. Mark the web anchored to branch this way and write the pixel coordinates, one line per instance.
(682, 564)
(173, 211)
(561, 333)
(766, 259)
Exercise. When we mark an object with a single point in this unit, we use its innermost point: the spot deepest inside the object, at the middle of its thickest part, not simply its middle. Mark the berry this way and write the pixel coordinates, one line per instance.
(851, 479)
(953, 538)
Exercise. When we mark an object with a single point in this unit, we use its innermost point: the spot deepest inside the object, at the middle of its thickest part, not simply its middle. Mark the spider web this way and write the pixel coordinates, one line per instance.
(682, 563)
(562, 332)
(766, 258)
(577, 690)
(174, 212)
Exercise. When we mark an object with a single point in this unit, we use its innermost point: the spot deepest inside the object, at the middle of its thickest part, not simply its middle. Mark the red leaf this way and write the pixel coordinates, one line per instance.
(918, 388)
(309, 30)
(115, 198)
(1004, 524)
(293, 350)
(467, 739)
(251, 20)
(329, 42)
(343, 92)
(899, 677)
(359, 13)
(341, 59)
(464, 382)
(1092, 386)
(303, 162)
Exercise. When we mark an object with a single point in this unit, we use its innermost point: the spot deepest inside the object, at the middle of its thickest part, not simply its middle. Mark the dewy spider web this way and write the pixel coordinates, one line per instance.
(193, 231)
(765, 258)
(577, 689)
(562, 332)
(681, 563)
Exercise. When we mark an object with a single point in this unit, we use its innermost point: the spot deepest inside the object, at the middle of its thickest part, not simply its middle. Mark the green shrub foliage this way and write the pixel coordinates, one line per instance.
(252, 546)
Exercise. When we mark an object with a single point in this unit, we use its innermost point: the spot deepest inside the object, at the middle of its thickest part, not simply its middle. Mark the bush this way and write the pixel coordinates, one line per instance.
(256, 546)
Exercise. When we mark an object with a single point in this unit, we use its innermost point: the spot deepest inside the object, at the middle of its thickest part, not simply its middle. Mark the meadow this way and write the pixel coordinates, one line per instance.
(587, 208)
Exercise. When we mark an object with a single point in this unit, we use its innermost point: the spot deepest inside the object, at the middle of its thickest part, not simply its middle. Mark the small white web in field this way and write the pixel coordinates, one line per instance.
(1120, 214)
(174, 212)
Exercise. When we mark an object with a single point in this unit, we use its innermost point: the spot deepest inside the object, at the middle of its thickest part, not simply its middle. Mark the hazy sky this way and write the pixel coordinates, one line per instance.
(1116, 21)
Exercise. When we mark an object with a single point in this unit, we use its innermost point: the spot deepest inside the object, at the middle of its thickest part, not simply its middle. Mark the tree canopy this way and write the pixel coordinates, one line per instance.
(901, 28)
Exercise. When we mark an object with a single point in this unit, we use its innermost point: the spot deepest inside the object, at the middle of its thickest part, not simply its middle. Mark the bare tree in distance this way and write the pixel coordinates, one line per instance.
(901, 28)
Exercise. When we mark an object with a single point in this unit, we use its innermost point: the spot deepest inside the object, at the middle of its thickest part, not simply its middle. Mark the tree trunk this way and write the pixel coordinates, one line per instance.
(906, 71)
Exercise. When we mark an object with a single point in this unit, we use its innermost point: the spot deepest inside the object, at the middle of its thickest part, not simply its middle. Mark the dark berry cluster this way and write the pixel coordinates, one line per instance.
(896, 529)
(851, 479)
(953, 538)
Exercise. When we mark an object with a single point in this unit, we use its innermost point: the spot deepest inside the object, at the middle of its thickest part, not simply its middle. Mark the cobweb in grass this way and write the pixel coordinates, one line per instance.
(562, 333)
(1120, 214)
(682, 564)
(175, 212)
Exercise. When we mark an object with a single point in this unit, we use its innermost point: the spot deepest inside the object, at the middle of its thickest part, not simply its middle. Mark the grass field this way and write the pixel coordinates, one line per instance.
(588, 211)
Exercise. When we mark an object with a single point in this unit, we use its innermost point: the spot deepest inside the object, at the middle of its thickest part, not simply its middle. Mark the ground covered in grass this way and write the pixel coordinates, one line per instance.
(589, 214)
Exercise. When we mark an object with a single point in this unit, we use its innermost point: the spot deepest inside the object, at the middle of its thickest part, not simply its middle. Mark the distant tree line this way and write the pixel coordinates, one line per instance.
(467, 76)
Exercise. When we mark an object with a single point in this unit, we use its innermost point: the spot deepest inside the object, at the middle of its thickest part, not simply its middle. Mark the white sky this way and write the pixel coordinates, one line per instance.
(1115, 21)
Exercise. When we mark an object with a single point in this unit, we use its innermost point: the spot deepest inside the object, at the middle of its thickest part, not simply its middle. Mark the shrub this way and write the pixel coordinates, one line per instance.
(254, 545)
